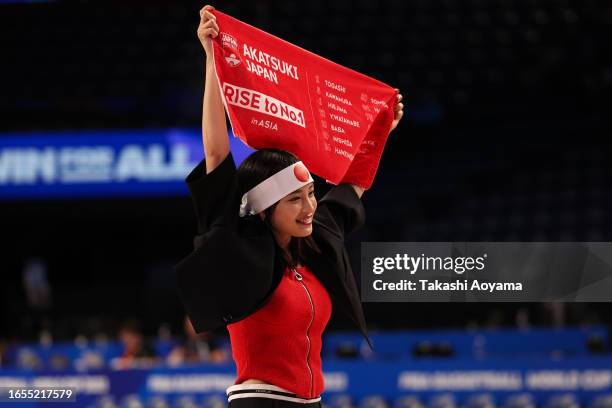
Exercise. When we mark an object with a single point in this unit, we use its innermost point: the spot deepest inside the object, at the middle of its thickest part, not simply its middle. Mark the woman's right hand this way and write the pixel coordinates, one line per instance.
(214, 128)
(207, 29)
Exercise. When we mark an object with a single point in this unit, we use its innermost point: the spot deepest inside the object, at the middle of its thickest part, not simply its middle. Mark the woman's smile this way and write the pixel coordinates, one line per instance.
(305, 221)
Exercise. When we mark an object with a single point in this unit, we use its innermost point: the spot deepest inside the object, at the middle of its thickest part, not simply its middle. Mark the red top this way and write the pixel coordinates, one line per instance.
(280, 344)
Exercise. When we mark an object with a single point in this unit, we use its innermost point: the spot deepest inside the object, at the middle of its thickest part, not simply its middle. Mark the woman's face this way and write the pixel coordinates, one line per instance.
(293, 214)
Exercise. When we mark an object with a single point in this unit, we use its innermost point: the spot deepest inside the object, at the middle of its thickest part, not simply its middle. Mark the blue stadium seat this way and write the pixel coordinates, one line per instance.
(446, 400)
(185, 401)
(157, 401)
(131, 401)
(485, 400)
(408, 401)
(524, 400)
(339, 401)
(373, 401)
(562, 401)
(106, 401)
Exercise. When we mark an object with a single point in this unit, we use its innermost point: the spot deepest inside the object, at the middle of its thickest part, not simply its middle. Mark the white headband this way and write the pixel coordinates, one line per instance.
(274, 188)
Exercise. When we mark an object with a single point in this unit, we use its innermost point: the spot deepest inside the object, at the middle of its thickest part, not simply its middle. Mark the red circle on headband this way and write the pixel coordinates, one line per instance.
(301, 173)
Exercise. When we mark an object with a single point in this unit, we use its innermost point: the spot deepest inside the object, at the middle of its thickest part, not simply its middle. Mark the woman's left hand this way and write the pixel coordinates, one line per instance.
(399, 110)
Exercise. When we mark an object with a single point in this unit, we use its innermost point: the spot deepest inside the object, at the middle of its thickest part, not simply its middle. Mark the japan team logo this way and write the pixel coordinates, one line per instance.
(229, 42)
(232, 60)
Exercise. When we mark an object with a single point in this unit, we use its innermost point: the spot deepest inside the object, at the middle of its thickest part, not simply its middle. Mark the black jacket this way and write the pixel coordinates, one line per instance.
(235, 266)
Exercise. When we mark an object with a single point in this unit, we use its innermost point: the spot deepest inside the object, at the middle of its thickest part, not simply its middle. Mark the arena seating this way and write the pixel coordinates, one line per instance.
(388, 345)
(406, 357)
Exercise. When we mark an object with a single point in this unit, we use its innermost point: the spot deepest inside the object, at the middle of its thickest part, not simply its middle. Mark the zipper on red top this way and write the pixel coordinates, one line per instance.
(298, 277)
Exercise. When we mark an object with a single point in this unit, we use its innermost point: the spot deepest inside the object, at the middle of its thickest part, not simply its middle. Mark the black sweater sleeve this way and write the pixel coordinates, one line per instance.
(230, 272)
(214, 194)
(340, 211)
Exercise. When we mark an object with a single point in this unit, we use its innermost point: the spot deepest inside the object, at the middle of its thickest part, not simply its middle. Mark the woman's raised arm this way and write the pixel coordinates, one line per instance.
(214, 128)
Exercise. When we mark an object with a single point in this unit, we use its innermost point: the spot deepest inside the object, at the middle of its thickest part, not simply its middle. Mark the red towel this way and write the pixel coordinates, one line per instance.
(278, 95)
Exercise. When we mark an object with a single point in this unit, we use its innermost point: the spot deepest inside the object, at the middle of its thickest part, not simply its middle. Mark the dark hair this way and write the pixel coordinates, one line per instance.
(256, 168)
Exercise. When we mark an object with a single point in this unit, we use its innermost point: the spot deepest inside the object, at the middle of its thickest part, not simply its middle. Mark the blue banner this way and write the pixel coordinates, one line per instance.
(584, 378)
(79, 164)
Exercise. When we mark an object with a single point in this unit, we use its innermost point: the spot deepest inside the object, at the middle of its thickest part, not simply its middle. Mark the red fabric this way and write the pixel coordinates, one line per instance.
(334, 119)
(280, 344)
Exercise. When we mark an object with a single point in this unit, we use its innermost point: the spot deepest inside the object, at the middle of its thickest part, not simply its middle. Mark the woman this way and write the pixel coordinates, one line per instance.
(268, 258)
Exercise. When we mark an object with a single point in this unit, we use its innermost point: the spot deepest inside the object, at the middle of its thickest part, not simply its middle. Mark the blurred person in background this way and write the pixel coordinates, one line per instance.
(39, 299)
(197, 348)
(137, 352)
(273, 256)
